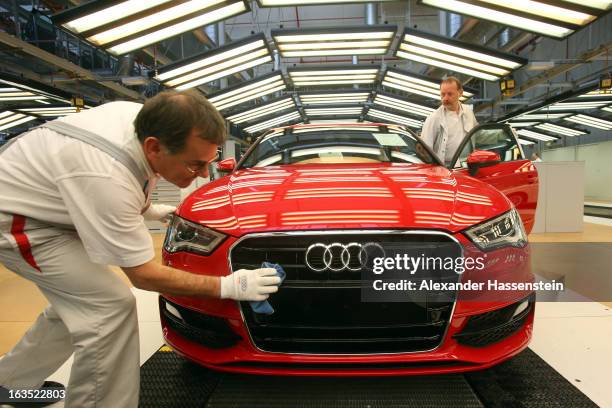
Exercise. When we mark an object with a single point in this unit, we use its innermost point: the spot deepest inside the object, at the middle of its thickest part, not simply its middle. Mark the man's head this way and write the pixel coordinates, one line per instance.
(180, 133)
(451, 90)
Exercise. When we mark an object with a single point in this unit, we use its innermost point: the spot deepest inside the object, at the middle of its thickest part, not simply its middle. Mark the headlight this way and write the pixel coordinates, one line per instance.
(505, 230)
(188, 236)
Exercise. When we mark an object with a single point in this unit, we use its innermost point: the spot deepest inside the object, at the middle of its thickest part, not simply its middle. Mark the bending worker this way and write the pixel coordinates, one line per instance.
(445, 128)
(74, 194)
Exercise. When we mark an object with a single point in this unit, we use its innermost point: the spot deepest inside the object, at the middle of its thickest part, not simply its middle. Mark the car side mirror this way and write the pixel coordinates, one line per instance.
(226, 165)
(481, 158)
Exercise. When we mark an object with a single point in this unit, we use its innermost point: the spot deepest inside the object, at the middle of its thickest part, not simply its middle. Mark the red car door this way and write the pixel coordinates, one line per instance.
(514, 175)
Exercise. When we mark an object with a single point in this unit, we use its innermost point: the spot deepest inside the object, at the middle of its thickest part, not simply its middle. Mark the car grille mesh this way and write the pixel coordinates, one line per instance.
(323, 313)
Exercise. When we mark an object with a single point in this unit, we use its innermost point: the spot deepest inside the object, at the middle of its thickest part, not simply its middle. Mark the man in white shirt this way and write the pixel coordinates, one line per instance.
(446, 127)
(73, 198)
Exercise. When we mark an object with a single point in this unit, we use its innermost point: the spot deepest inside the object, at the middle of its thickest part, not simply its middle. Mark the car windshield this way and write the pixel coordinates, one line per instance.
(312, 145)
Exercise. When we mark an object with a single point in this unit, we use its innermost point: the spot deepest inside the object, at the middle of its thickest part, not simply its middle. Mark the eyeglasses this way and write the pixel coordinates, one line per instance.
(198, 167)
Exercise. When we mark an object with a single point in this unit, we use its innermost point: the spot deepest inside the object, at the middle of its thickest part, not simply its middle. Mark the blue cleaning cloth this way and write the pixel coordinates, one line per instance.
(263, 306)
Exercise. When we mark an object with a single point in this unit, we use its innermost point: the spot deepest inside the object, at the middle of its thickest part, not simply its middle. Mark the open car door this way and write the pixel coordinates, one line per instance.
(492, 153)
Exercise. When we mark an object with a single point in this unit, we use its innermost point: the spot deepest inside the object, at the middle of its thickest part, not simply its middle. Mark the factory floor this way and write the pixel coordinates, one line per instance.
(572, 337)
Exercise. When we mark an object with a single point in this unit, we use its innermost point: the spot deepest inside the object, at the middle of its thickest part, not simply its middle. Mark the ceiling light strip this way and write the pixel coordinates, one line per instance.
(554, 19)
(279, 3)
(134, 24)
(261, 110)
(561, 130)
(248, 91)
(591, 121)
(272, 122)
(454, 55)
(522, 124)
(396, 103)
(536, 135)
(394, 118)
(15, 119)
(312, 42)
(210, 65)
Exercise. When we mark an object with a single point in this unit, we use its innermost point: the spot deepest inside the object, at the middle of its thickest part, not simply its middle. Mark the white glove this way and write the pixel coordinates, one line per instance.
(158, 212)
(250, 284)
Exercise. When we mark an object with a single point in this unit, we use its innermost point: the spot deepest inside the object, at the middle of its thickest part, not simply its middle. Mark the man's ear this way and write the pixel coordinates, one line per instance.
(151, 146)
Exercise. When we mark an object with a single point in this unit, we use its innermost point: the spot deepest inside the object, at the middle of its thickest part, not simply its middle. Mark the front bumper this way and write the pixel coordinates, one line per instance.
(216, 350)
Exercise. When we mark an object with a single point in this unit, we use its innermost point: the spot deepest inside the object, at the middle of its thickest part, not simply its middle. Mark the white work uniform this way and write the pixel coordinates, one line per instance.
(67, 210)
(444, 130)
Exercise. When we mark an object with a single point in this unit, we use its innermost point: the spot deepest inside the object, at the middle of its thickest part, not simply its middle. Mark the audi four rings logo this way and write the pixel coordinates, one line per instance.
(338, 257)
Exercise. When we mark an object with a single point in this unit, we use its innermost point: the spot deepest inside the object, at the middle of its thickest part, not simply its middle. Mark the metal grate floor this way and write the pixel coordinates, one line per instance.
(168, 380)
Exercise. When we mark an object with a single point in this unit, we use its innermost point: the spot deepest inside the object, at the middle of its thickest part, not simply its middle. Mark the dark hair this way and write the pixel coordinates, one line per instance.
(452, 79)
(172, 115)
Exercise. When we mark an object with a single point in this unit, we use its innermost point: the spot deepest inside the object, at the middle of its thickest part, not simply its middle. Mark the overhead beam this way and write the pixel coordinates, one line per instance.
(66, 65)
(549, 74)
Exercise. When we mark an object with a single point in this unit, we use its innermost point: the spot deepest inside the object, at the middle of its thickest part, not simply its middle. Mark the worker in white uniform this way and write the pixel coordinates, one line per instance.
(445, 128)
(74, 195)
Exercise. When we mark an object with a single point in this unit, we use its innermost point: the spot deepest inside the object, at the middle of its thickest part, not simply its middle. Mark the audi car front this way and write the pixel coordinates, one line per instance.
(325, 202)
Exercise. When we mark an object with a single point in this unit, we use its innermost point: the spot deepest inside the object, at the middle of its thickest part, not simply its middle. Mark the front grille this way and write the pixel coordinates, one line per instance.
(488, 328)
(323, 313)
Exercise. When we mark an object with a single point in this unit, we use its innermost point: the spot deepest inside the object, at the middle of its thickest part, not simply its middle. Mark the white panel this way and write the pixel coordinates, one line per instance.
(562, 192)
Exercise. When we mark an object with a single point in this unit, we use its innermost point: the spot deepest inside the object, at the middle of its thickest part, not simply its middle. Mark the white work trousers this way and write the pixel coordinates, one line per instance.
(92, 313)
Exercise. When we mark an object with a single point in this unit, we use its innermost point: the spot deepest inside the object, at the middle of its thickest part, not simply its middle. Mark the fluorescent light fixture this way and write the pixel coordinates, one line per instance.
(392, 118)
(416, 84)
(597, 93)
(320, 98)
(280, 3)
(10, 119)
(560, 130)
(400, 104)
(576, 105)
(595, 4)
(312, 42)
(517, 125)
(536, 135)
(55, 111)
(124, 26)
(15, 89)
(335, 126)
(248, 91)
(591, 121)
(265, 125)
(248, 115)
(214, 64)
(541, 116)
(525, 142)
(338, 149)
(607, 109)
(454, 55)
(335, 111)
(9, 94)
(322, 76)
(556, 19)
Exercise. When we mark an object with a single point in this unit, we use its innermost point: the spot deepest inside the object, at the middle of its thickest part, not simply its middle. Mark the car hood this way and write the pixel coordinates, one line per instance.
(315, 197)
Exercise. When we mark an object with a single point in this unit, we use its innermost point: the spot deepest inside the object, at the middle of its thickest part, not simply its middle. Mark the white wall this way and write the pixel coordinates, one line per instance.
(598, 166)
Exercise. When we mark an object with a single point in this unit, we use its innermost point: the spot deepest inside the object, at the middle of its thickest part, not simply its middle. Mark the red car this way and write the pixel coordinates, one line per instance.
(317, 200)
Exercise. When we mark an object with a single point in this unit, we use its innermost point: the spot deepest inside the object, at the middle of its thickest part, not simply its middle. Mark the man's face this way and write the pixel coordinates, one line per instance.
(450, 95)
(183, 167)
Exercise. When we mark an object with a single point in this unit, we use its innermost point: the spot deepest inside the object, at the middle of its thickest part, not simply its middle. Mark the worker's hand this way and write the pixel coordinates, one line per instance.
(250, 284)
(159, 212)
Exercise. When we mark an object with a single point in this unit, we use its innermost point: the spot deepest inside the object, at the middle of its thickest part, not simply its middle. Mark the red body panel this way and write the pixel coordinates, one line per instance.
(313, 197)
(518, 180)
